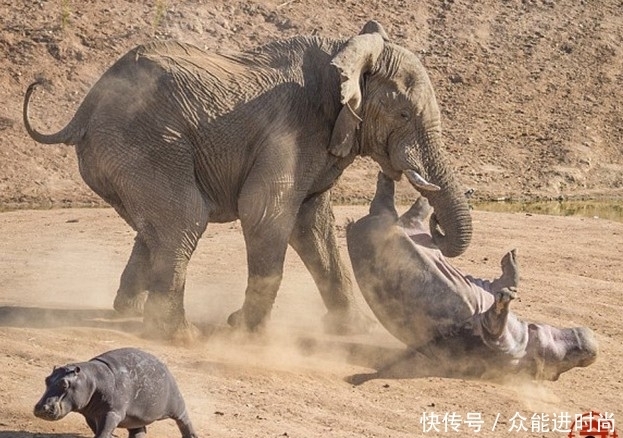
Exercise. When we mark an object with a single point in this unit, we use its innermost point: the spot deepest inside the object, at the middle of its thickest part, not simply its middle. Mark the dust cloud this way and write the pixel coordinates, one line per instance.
(294, 379)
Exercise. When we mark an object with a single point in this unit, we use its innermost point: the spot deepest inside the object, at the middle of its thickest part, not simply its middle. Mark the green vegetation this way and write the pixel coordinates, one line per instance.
(160, 13)
(612, 210)
(65, 13)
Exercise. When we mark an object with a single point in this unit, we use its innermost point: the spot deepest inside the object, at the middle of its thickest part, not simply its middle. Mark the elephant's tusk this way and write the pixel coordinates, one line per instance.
(418, 182)
(352, 111)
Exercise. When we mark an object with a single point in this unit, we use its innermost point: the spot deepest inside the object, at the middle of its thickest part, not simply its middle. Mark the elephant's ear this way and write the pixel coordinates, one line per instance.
(357, 56)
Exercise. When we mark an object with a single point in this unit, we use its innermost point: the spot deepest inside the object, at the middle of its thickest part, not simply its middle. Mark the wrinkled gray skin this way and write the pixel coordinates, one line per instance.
(125, 388)
(174, 138)
(426, 302)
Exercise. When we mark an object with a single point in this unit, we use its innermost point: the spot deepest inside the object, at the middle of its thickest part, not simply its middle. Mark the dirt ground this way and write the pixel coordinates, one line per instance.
(530, 93)
(59, 271)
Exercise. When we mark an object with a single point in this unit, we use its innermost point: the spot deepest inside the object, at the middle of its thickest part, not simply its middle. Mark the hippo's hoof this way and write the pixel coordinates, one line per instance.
(343, 323)
(510, 269)
(130, 305)
(503, 299)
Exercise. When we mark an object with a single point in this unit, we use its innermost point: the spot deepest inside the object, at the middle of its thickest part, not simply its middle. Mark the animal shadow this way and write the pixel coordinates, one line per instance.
(22, 434)
(37, 317)
(394, 362)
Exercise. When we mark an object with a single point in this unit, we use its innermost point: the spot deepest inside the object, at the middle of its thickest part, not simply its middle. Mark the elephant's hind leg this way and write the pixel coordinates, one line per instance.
(172, 228)
(134, 282)
(314, 239)
(168, 211)
(153, 186)
(132, 290)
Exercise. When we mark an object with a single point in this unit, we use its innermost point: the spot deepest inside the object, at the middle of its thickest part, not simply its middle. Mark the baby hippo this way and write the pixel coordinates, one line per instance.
(125, 388)
(439, 312)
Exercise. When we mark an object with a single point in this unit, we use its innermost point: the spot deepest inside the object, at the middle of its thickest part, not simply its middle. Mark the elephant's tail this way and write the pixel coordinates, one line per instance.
(67, 135)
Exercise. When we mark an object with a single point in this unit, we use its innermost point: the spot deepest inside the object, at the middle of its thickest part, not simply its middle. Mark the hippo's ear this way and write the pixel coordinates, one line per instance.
(77, 370)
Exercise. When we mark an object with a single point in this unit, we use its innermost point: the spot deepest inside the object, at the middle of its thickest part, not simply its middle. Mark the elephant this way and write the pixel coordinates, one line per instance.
(173, 138)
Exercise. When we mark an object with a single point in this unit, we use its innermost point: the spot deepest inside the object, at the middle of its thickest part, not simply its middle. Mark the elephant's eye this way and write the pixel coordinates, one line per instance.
(406, 115)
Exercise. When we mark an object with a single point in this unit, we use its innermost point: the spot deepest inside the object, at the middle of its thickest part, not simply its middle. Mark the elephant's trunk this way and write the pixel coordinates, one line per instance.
(450, 223)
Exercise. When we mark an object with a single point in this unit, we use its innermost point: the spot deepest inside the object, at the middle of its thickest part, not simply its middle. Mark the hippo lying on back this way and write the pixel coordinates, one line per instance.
(431, 306)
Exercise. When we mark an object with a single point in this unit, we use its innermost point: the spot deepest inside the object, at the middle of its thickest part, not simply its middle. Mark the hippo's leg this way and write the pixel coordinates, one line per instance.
(185, 426)
(417, 214)
(510, 272)
(383, 202)
(92, 424)
(494, 320)
(137, 433)
(108, 424)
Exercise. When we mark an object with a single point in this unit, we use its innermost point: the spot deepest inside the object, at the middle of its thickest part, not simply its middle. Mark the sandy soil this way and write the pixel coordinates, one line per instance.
(59, 271)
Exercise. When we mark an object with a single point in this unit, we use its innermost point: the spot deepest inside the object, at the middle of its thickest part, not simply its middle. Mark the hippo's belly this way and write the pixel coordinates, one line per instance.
(414, 295)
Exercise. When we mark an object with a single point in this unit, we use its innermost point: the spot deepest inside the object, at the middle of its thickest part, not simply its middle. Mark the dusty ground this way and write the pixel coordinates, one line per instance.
(531, 108)
(59, 271)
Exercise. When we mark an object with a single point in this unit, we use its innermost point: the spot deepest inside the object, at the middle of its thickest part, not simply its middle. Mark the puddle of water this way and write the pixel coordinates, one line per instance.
(612, 210)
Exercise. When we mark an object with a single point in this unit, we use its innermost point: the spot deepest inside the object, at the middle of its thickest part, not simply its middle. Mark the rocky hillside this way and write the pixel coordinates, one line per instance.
(530, 90)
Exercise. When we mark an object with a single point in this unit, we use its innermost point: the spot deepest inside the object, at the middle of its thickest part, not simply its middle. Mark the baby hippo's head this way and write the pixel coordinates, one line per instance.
(65, 392)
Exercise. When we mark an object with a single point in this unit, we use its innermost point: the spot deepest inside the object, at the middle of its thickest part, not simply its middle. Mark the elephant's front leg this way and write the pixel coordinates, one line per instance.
(267, 214)
(266, 249)
(314, 239)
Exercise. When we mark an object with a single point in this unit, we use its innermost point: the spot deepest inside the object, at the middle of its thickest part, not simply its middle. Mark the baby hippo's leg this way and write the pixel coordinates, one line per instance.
(137, 433)
(185, 426)
(494, 320)
(510, 273)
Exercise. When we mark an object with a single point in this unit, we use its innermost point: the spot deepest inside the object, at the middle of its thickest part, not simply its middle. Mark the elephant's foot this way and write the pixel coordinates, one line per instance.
(185, 334)
(347, 322)
(248, 320)
(130, 305)
(164, 319)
